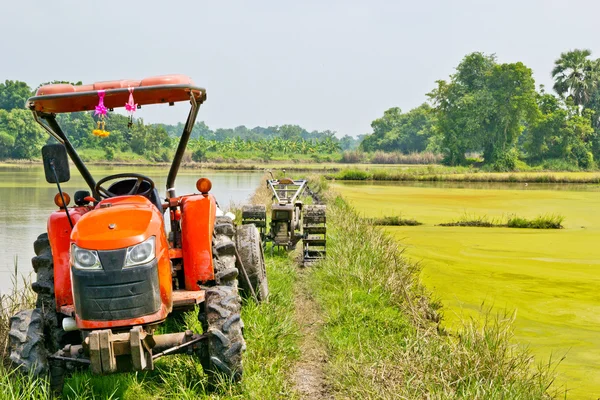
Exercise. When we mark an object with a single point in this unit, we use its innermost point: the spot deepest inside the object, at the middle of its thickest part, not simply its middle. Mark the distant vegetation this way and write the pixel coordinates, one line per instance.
(22, 138)
(488, 115)
(492, 111)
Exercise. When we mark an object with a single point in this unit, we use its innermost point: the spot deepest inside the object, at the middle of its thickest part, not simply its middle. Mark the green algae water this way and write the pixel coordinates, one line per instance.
(26, 201)
(550, 278)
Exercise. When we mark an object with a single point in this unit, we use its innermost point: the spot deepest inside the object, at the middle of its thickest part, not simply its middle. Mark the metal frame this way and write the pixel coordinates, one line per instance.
(283, 191)
(48, 122)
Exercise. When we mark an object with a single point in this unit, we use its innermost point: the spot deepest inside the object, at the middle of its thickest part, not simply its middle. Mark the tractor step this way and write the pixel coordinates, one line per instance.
(257, 215)
(314, 228)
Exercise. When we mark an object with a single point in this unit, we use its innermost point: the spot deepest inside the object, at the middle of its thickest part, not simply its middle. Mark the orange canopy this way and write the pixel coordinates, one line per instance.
(61, 98)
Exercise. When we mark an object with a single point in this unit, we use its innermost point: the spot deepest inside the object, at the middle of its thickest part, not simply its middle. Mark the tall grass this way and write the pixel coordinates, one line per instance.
(548, 221)
(394, 220)
(396, 157)
(383, 332)
(19, 298)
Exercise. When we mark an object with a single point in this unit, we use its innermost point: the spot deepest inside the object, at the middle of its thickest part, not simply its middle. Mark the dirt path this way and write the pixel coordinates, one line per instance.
(309, 374)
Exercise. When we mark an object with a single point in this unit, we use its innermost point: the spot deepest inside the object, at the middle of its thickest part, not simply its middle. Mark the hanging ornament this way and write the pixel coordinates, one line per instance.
(101, 110)
(130, 106)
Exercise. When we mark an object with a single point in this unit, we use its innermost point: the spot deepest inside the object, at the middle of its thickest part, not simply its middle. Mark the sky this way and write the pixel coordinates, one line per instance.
(328, 64)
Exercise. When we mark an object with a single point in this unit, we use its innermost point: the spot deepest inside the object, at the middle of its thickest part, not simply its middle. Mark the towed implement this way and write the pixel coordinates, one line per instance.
(109, 272)
(291, 221)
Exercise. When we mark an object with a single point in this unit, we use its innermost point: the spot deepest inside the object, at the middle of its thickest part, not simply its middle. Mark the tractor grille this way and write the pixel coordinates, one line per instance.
(116, 293)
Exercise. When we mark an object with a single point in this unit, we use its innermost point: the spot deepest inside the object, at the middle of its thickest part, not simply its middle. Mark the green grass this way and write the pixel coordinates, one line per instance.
(548, 221)
(548, 276)
(394, 220)
(381, 330)
(271, 337)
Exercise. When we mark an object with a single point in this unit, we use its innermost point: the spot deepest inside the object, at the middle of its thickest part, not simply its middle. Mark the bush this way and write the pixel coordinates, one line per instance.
(199, 155)
(559, 164)
(506, 162)
(109, 153)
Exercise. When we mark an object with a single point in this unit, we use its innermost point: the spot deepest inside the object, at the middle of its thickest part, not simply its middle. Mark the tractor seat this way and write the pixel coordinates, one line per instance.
(123, 187)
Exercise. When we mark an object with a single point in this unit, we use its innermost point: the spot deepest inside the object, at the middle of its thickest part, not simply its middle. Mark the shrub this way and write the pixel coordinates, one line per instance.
(353, 175)
(199, 155)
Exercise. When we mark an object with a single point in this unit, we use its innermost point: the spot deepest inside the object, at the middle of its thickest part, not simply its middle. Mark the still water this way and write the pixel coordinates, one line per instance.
(26, 201)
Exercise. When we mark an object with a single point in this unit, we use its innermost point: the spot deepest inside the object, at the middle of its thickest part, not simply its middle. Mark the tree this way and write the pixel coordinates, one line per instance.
(484, 107)
(14, 94)
(28, 136)
(290, 132)
(6, 144)
(395, 131)
(576, 76)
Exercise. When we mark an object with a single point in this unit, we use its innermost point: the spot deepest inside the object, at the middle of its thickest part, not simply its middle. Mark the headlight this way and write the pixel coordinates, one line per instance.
(141, 253)
(84, 259)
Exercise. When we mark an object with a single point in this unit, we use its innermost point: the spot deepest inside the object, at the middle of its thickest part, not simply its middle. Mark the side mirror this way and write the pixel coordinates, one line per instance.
(56, 163)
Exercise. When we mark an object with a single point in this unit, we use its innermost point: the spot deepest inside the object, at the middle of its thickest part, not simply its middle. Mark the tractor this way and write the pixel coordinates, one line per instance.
(122, 260)
(291, 220)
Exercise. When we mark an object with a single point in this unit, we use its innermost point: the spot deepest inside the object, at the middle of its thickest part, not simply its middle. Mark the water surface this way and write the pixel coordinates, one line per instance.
(26, 201)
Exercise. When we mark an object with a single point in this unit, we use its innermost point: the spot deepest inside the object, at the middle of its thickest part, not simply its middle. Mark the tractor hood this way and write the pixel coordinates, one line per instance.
(117, 223)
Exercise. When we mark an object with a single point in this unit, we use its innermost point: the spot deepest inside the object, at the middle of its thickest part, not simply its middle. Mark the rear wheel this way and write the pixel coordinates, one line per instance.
(219, 315)
(225, 343)
(252, 257)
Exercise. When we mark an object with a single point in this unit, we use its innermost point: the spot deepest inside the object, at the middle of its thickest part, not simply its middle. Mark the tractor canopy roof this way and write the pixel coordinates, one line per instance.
(63, 98)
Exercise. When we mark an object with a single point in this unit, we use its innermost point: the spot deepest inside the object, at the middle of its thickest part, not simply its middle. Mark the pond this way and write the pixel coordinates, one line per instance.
(550, 278)
(26, 201)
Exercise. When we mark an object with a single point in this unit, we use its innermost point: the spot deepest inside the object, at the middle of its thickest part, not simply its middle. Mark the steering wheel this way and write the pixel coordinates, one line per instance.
(105, 193)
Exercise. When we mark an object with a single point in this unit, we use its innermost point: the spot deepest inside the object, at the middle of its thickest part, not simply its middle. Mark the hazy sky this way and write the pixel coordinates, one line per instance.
(320, 64)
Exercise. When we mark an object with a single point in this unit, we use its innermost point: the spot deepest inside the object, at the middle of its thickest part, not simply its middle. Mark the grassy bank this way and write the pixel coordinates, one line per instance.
(383, 334)
(271, 337)
(460, 174)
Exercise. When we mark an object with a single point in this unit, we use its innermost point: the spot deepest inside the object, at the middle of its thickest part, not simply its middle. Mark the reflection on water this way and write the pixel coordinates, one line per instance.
(26, 201)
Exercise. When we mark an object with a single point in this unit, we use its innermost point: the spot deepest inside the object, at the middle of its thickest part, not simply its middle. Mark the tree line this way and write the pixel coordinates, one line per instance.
(493, 110)
(22, 138)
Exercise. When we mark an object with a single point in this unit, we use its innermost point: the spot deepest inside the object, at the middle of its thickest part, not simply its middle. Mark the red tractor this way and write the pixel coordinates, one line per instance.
(109, 272)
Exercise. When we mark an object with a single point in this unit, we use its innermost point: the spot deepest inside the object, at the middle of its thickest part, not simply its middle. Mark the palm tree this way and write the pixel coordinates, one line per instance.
(576, 76)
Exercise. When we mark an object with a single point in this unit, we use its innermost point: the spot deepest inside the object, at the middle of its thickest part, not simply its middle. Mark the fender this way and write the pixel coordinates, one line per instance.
(59, 234)
(197, 225)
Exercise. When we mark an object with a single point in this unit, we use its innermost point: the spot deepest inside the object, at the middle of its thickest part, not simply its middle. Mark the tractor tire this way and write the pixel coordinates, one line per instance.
(43, 265)
(224, 226)
(44, 317)
(250, 249)
(224, 253)
(225, 344)
(26, 340)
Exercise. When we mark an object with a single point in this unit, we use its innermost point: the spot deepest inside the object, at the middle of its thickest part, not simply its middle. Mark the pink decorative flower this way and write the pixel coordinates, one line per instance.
(100, 108)
(130, 106)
